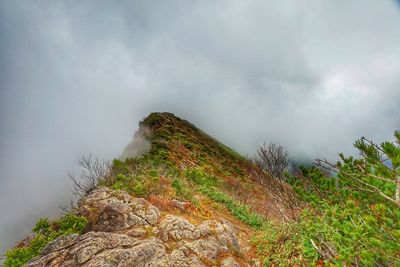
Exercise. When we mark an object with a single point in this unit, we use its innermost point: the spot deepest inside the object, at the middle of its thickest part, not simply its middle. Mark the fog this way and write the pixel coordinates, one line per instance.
(78, 76)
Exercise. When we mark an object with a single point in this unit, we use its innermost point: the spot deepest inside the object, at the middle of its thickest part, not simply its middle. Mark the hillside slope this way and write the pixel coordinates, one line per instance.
(176, 197)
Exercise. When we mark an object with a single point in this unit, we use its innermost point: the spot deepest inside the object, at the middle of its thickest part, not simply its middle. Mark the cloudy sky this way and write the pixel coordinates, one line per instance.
(77, 76)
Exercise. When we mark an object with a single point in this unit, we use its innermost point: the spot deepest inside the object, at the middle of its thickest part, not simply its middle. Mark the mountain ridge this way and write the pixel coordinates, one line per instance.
(179, 197)
(190, 179)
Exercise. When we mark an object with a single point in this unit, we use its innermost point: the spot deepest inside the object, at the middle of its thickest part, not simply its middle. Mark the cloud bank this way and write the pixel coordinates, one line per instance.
(77, 76)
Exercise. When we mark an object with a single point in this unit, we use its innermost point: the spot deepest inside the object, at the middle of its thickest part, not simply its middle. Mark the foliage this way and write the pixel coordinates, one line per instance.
(281, 244)
(346, 234)
(44, 233)
(377, 172)
(342, 226)
(201, 178)
(139, 189)
(242, 212)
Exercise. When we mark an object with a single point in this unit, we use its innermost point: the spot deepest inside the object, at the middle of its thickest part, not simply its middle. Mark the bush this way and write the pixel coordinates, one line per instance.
(45, 232)
(342, 226)
(273, 159)
(139, 189)
(94, 171)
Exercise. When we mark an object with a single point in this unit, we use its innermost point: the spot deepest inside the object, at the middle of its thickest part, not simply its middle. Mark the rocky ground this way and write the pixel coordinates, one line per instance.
(128, 231)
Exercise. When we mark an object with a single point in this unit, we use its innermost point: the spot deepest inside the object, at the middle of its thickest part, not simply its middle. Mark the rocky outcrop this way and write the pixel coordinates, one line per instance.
(100, 249)
(127, 231)
(112, 210)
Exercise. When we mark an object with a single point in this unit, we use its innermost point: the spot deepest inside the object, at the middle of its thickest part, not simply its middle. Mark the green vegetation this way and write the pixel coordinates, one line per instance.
(281, 244)
(341, 226)
(347, 219)
(207, 185)
(242, 212)
(199, 177)
(44, 233)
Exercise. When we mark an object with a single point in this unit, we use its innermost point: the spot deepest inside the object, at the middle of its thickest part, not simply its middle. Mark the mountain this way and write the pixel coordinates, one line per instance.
(178, 197)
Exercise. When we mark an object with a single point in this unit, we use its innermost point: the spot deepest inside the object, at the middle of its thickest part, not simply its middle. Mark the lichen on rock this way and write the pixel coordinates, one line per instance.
(113, 210)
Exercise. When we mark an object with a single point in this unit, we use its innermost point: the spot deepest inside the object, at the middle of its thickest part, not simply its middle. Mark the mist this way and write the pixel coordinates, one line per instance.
(78, 76)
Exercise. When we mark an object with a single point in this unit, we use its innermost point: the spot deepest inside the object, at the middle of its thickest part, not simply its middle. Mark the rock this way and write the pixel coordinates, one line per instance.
(137, 232)
(207, 249)
(179, 258)
(208, 240)
(100, 249)
(180, 204)
(223, 232)
(176, 228)
(127, 232)
(112, 210)
(229, 262)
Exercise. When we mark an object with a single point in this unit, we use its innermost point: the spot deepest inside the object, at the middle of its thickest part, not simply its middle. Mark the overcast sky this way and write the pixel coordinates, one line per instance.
(77, 76)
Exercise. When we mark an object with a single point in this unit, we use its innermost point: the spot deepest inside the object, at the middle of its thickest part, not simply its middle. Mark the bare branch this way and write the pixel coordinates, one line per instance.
(375, 176)
(273, 159)
(334, 168)
(93, 171)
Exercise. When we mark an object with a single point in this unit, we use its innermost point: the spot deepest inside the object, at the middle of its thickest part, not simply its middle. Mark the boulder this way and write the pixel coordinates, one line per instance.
(112, 210)
(128, 231)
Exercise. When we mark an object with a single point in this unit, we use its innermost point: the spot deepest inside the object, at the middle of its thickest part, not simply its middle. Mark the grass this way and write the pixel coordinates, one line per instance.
(280, 244)
(45, 232)
(199, 177)
(242, 212)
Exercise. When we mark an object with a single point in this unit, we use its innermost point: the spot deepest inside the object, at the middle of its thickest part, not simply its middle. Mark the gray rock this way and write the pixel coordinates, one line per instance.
(229, 262)
(176, 228)
(179, 204)
(114, 210)
(100, 249)
(122, 226)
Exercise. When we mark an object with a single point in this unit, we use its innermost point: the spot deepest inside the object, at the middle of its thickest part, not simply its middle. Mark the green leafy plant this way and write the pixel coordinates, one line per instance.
(45, 232)
(377, 172)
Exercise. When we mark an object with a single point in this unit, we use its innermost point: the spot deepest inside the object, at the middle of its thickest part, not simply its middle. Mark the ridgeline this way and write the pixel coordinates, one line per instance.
(179, 197)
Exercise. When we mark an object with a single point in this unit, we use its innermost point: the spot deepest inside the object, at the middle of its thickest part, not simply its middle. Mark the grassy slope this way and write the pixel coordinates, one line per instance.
(196, 163)
(218, 182)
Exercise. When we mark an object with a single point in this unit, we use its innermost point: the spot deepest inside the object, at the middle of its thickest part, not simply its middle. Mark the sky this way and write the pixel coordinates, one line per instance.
(78, 76)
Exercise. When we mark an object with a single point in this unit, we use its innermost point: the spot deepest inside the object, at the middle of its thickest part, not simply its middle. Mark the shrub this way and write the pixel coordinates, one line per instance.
(139, 189)
(42, 226)
(120, 182)
(94, 171)
(44, 233)
(343, 226)
(273, 159)
(377, 172)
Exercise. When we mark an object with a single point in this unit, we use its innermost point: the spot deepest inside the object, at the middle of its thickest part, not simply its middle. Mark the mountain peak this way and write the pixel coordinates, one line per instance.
(176, 195)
